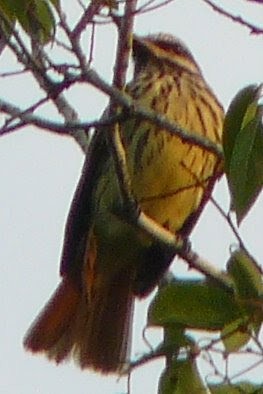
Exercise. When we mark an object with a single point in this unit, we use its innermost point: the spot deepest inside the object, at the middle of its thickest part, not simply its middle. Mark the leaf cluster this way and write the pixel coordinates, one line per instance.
(183, 305)
(35, 16)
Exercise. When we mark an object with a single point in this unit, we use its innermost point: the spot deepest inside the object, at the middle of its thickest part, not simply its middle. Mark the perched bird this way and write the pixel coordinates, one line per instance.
(106, 261)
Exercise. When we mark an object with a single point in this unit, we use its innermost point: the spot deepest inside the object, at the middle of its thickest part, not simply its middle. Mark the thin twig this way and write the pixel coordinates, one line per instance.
(29, 110)
(92, 39)
(238, 19)
(36, 66)
(90, 76)
(56, 127)
(230, 223)
(147, 8)
(13, 73)
(75, 43)
(86, 18)
(245, 370)
(12, 128)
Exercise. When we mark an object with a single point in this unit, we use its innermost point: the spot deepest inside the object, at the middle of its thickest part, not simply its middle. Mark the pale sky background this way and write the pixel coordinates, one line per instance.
(39, 171)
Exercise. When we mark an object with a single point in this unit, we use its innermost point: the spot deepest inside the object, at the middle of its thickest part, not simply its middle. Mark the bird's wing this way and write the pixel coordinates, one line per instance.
(80, 216)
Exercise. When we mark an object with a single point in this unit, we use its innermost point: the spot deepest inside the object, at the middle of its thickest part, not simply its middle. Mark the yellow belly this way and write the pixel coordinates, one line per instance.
(169, 177)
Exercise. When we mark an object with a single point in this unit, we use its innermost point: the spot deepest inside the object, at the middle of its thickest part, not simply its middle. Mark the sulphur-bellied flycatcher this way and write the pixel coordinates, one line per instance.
(106, 262)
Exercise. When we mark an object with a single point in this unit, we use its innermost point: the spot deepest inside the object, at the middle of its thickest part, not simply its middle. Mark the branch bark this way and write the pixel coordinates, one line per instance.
(119, 82)
(237, 19)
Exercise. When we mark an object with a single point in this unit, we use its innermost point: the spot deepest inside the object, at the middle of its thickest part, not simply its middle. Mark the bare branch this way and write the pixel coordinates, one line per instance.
(124, 46)
(69, 128)
(135, 110)
(230, 223)
(54, 90)
(170, 240)
(256, 1)
(119, 81)
(150, 6)
(36, 64)
(238, 19)
(86, 18)
(74, 41)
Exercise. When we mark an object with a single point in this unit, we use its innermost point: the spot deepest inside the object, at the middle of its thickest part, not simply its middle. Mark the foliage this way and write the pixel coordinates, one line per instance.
(35, 16)
(243, 149)
(201, 305)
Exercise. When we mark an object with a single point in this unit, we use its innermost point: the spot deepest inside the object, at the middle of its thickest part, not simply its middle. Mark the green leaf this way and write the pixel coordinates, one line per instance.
(243, 150)
(246, 275)
(193, 304)
(246, 170)
(234, 119)
(47, 21)
(181, 377)
(248, 284)
(39, 21)
(238, 388)
(236, 335)
(8, 20)
(35, 16)
(6, 28)
(13, 8)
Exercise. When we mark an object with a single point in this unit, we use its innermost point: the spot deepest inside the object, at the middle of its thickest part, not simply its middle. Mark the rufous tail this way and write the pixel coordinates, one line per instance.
(95, 331)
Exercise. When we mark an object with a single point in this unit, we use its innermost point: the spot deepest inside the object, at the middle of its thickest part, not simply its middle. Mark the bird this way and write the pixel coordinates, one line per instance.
(107, 262)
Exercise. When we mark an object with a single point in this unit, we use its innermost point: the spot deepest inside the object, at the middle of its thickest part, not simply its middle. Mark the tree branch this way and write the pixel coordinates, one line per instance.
(54, 91)
(126, 101)
(170, 240)
(119, 82)
(90, 76)
(238, 19)
(86, 18)
(36, 66)
(70, 128)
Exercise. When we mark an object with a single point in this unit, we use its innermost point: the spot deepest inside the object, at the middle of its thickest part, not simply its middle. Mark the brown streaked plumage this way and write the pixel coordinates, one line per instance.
(105, 261)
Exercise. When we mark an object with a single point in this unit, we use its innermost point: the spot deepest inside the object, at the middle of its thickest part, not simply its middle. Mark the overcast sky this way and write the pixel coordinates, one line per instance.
(39, 171)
